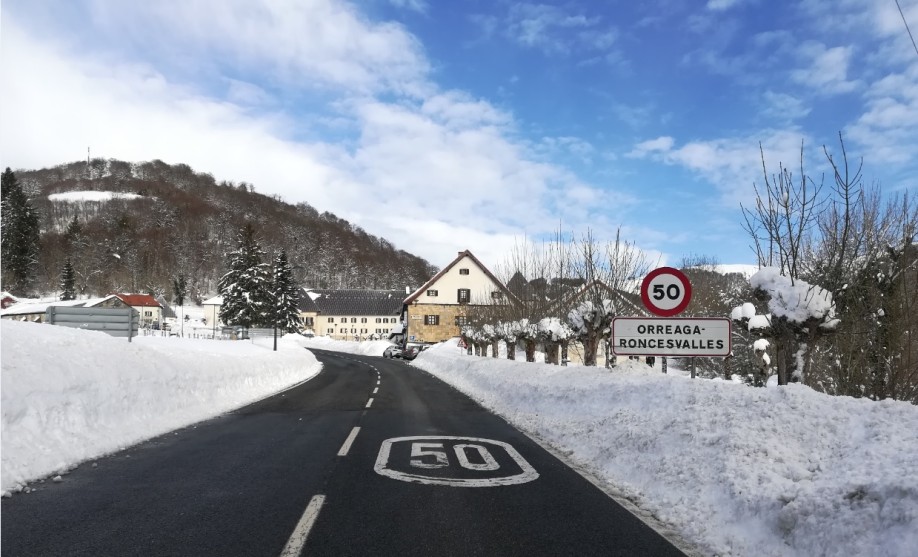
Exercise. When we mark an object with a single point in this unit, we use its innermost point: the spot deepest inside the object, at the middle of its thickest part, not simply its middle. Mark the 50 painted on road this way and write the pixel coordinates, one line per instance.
(453, 461)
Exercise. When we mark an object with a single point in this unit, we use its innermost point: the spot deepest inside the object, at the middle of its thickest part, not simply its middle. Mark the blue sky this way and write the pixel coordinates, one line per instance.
(454, 125)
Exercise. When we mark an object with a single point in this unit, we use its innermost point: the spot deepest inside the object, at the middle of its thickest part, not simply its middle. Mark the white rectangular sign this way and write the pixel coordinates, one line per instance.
(651, 336)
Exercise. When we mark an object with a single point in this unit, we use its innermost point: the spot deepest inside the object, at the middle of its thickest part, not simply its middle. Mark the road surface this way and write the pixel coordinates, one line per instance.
(370, 457)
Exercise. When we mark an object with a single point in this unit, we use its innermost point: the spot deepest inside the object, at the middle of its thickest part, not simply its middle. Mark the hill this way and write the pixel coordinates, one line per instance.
(133, 227)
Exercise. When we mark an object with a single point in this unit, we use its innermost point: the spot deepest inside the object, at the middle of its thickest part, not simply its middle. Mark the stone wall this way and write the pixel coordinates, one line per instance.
(418, 328)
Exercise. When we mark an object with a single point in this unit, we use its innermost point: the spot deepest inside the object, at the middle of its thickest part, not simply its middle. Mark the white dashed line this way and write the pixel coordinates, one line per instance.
(376, 390)
(348, 442)
(369, 402)
(298, 538)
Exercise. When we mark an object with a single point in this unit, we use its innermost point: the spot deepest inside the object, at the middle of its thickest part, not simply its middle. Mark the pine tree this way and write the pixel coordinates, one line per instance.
(286, 296)
(246, 288)
(19, 235)
(68, 282)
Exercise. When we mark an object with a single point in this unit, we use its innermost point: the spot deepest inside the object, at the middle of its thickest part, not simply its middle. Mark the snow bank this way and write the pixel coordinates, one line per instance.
(70, 395)
(737, 470)
(364, 347)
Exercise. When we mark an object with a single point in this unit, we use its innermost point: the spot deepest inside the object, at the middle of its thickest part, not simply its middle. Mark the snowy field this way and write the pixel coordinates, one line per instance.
(735, 470)
(70, 395)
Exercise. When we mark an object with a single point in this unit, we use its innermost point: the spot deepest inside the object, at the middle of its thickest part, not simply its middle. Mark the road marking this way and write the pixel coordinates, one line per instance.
(377, 381)
(348, 442)
(488, 473)
(298, 538)
(369, 402)
(376, 390)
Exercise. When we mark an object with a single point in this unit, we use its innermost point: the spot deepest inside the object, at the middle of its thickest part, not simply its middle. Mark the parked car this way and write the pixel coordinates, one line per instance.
(411, 351)
(392, 351)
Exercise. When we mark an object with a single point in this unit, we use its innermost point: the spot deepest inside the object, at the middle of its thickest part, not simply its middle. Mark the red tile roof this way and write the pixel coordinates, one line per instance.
(139, 300)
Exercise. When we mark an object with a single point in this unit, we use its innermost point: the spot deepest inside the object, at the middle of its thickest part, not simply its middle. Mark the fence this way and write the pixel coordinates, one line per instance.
(118, 322)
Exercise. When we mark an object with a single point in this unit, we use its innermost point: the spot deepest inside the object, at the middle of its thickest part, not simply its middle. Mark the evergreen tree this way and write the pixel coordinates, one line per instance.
(19, 234)
(68, 282)
(286, 296)
(179, 291)
(246, 288)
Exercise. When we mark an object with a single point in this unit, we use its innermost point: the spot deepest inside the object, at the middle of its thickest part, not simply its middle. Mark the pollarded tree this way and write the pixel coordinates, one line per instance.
(68, 282)
(286, 296)
(19, 236)
(607, 272)
(246, 287)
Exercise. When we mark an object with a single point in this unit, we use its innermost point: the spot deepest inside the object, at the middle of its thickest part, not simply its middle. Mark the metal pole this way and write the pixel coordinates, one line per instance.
(693, 367)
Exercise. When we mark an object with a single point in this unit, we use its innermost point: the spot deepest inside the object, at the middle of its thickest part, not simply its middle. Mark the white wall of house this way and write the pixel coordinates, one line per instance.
(479, 284)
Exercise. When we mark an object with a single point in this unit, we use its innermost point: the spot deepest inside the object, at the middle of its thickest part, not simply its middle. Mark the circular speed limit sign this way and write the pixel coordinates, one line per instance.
(666, 292)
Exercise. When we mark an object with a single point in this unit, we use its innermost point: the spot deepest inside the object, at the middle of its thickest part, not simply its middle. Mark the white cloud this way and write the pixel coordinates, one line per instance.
(419, 6)
(732, 165)
(661, 144)
(434, 175)
(827, 70)
(783, 107)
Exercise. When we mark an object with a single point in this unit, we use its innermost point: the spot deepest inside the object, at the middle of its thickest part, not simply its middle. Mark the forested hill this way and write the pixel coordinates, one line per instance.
(169, 220)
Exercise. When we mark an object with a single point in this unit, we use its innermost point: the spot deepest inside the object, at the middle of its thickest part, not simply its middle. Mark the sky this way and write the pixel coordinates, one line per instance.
(445, 126)
(731, 469)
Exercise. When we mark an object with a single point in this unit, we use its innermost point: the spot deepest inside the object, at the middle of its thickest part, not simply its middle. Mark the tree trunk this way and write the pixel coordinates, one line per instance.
(530, 349)
(511, 350)
(564, 358)
(590, 345)
(551, 352)
(495, 344)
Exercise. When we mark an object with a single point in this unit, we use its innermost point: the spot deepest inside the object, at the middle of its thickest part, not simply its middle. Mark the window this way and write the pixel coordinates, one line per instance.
(330, 331)
(353, 319)
(432, 293)
(497, 295)
(463, 271)
(363, 330)
(462, 320)
(363, 319)
(148, 314)
(385, 320)
(331, 319)
(464, 295)
(378, 320)
(431, 319)
(354, 331)
(343, 330)
(308, 321)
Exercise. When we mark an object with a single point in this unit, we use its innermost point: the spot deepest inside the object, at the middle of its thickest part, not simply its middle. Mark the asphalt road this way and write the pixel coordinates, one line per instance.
(371, 457)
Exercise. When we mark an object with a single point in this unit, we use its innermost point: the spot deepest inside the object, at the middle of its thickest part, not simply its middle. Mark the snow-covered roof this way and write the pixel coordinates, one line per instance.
(215, 301)
(42, 307)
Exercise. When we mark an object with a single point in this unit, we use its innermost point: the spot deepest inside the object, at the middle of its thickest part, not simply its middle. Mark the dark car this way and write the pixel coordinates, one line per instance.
(392, 352)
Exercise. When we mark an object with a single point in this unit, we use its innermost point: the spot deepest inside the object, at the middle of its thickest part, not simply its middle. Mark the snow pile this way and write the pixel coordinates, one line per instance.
(77, 196)
(737, 470)
(364, 348)
(69, 395)
(796, 300)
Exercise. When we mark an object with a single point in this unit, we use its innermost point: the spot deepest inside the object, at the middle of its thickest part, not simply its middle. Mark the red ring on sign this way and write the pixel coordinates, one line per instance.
(686, 287)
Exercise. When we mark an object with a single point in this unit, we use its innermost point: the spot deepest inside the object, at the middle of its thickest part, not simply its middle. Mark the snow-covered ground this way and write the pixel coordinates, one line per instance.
(733, 469)
(70, 395)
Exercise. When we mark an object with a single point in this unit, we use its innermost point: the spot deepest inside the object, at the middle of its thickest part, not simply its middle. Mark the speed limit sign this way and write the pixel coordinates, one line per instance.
(666, 291)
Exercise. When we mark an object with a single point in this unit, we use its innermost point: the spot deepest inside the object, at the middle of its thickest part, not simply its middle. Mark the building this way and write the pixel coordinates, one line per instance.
(436, 311)
(351, 314)
(35, 311)
(150, 310)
